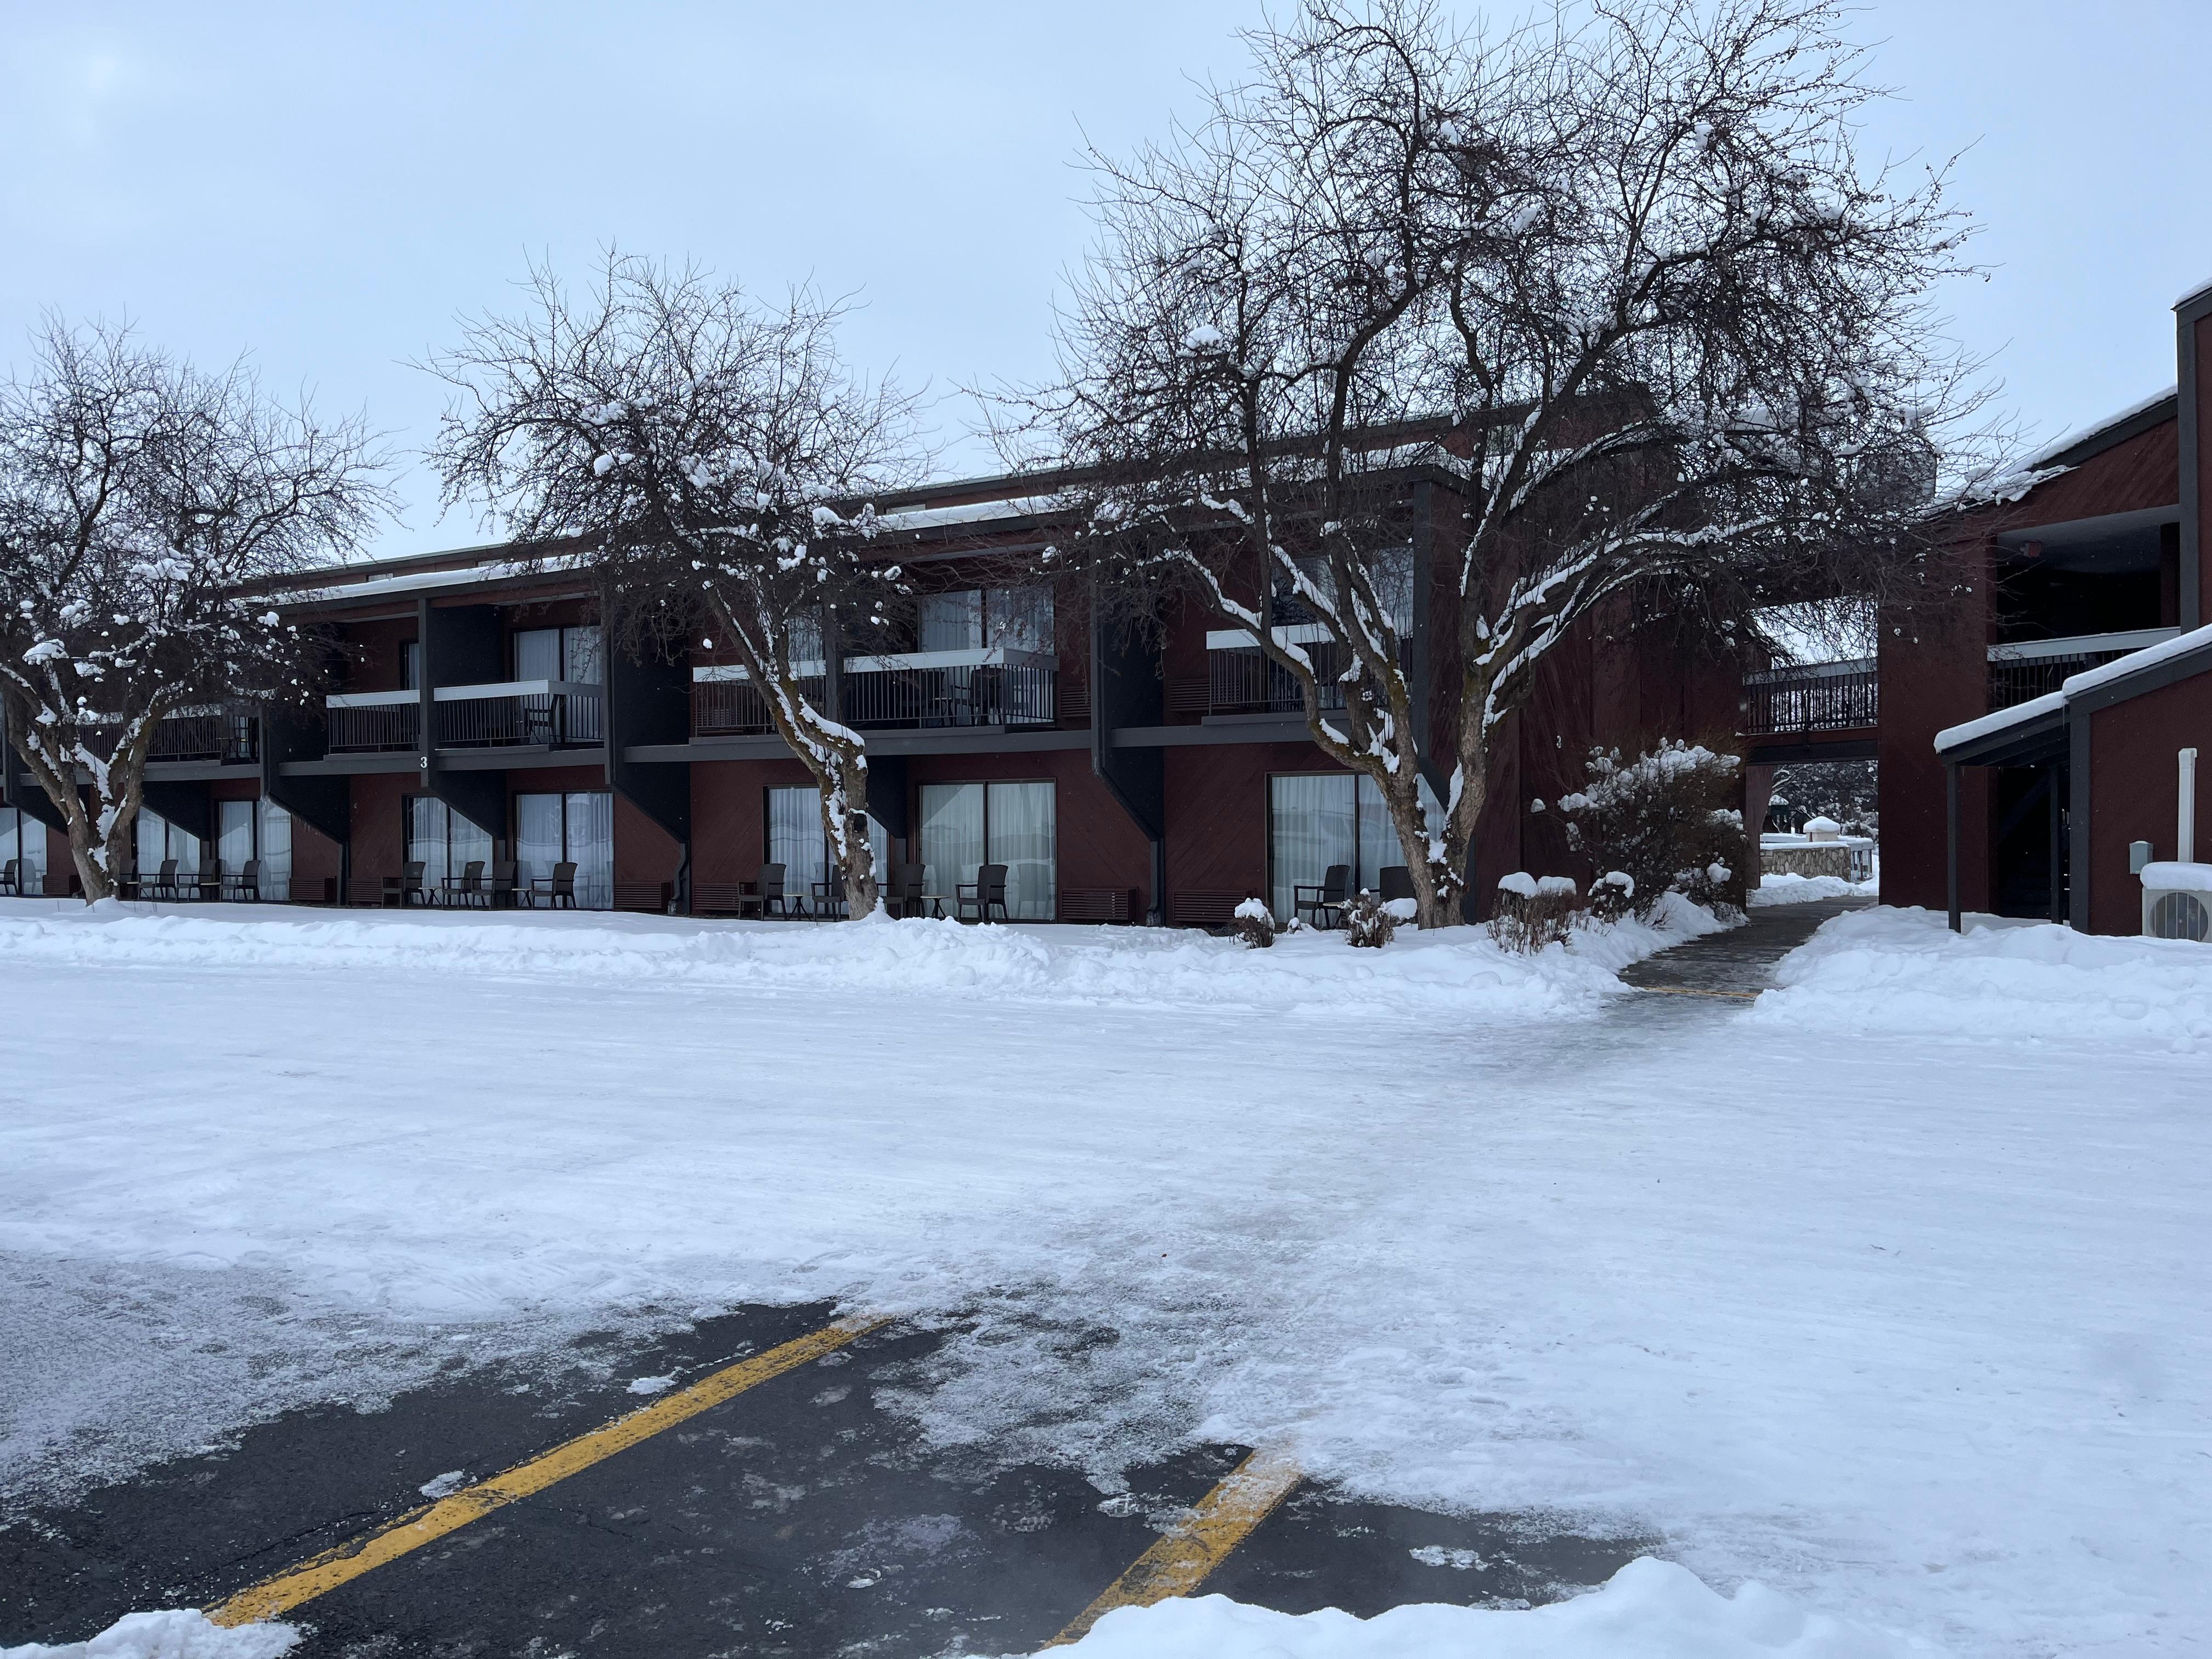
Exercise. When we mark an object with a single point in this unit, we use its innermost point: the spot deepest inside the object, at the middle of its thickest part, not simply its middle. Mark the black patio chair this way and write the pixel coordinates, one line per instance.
(208, 883)
(1326, 902)
(501, 893)
(829, 896)
(11, 881)
(1397, 882)
(754, 896)
(559, 888)
(163, 885)
(470, 888)
(988, 889)
(412, 889)
(247, 884)
(902, 894)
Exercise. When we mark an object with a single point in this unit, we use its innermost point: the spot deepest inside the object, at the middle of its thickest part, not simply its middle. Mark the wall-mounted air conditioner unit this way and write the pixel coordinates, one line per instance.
(2177, 901)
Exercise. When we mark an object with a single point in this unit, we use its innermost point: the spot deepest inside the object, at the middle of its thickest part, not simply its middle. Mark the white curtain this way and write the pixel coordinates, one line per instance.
(23, 839)
(794, 837)
(1020, 617)
(952, 621)
(1312, 822)
(951, 837)
(158, 840)
(276, 851)
(1378, 836)
(590, 844)
(234, 840)
(1021, 837)
(537, 838)
(538, 653)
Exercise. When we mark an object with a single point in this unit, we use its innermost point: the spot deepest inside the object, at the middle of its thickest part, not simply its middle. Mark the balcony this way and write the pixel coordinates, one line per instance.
(1821, 697)
(1239, 680)
(538, 713)
(922, 689)
(224, 735)
(2027, 669)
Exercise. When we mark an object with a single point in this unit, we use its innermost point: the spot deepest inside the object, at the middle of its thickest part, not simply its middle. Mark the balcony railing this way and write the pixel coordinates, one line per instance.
(552, 713)
(1240, 680)
(366, 722)
(208, 734)
(1824, 696)
(2027, 669)
(924, 689)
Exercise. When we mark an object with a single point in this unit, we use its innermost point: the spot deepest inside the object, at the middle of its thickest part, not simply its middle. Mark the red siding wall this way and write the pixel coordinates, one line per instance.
(2133, 791)
(1932, 678)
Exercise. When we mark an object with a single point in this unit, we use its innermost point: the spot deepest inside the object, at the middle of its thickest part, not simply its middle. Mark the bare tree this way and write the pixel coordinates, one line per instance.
(709, 457)
(1625, 278)
(146, 511)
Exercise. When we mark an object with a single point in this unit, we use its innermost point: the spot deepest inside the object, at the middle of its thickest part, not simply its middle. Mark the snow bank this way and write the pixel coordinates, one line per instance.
(1650, 1610)
(1903, 971)
(1789, 888)
(1457, 971)
(172, 1633)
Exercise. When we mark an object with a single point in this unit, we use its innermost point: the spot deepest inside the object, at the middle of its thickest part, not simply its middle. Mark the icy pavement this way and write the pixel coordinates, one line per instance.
(1903, 1326)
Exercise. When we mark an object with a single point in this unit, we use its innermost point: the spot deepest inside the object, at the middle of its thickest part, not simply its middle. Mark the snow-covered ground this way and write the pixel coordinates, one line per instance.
(1786, 887)
(1900, 1314)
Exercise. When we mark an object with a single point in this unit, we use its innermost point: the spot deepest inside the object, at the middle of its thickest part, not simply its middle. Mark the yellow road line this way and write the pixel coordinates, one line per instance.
(1179, 1563)
(1695, 991)
(326, 1571)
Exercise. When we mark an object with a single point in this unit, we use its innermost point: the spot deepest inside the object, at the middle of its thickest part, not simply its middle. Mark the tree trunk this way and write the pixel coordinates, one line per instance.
(856, 854)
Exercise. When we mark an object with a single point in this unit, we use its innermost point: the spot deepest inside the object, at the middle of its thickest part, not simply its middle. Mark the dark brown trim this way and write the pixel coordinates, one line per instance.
(2077, 731)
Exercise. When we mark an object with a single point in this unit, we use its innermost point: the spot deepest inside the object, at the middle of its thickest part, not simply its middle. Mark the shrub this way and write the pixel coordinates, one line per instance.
(1369, 921)
(1253, 923)
(1613, 895)
(1532, 914)
(1667, 820)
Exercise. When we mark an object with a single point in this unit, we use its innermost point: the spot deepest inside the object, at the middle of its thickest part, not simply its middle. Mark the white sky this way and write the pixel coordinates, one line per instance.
(330, 186)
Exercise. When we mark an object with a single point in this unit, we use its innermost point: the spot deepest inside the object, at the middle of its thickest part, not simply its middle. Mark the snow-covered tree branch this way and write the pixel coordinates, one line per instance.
(1619, 278)
(710, 459)
(146, 511)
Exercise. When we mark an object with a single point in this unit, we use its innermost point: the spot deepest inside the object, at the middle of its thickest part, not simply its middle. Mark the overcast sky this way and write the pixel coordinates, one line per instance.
(330, 186)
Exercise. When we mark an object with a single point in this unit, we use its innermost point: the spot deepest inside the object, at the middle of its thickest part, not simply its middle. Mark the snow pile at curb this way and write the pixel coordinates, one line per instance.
(171, 1633)
(1790, 888)
(1903, 971)
(1458, 970)
(1650, 1610)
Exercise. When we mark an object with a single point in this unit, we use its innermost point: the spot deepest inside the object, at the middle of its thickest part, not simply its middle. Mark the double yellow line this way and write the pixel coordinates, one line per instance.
(1174, 1566)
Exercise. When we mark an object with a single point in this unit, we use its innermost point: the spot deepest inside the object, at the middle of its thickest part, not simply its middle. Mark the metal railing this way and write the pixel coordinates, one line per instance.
(2022, 671)
(1240, 680)
(963, 695)
(357, 728)
(552, 713)
(218, 735)
(1826, 696)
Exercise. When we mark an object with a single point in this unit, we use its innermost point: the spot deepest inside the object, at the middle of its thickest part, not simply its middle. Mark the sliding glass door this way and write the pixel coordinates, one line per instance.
(575, 827)
(965, 826)
(795, 839)
(443, 841)
(1318, 819)
(23, 844)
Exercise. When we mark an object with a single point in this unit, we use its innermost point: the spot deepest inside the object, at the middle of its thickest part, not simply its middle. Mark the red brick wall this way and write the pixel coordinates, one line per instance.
(1932, 678)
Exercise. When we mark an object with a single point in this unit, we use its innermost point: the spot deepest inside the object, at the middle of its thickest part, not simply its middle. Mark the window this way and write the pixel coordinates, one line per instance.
(159, 840)
(410, 666)
(576, 827)
(23, 844)
(256, 830)
(973, 619)
(966, 825)
(558, 654)
(443, 841)
(795, 839)
(1318, 819)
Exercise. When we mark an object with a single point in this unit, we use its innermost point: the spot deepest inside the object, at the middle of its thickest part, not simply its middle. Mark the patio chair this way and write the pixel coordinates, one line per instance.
(1397, 882)
(247, 884)
(829, 895)
(163, 885)
(470, 888)
(754, 896)
(501, 893)
(988, 889)
(208, 883)
(559, 888)
(11, 877)
(902, 894)
(1326, 902)
(412, 889)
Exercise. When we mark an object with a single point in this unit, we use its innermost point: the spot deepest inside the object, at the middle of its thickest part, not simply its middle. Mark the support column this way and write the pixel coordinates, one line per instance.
(1951, 847)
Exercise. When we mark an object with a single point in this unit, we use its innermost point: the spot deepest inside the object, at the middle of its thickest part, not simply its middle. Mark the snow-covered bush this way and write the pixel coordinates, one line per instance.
(1531, 913)
(1613, 895)
(1253, 923)
(1369, 921)
(1667, 820)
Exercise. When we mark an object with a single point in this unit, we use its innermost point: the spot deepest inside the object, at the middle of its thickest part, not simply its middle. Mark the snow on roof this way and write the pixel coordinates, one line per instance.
(1953, 736)
(2082, 435)
(928, 518)
(2076, 685)
(2136, 661)
(489, 570)
(2191, 292)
